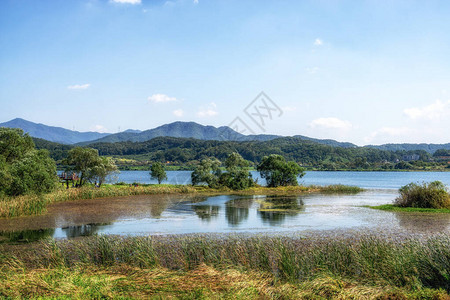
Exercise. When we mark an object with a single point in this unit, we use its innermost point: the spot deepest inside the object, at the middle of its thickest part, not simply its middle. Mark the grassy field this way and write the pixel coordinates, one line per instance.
(36, 204)
(352, 266)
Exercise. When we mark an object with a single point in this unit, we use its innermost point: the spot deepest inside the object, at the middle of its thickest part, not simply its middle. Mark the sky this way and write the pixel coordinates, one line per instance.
(366, 72)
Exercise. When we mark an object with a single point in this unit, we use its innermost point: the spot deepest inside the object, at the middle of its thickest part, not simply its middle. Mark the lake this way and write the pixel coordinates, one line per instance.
(367, 180)
(181, 214)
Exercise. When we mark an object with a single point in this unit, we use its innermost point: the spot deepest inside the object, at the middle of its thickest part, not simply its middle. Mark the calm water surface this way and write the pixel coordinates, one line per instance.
(369, 180)
(180, 214)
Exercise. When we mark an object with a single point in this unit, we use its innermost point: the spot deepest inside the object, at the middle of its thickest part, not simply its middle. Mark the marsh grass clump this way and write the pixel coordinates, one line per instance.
(355, 266)
(340, 189)
(426, 195)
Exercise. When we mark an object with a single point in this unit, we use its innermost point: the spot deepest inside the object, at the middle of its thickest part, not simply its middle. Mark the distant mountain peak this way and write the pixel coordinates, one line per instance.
(52, 133)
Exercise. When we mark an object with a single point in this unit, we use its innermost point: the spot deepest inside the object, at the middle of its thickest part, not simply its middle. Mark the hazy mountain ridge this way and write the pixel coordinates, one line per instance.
(52, 133)
(184, 130)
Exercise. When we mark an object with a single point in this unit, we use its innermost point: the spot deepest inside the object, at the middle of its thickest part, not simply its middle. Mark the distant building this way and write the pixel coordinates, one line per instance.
(411, 157)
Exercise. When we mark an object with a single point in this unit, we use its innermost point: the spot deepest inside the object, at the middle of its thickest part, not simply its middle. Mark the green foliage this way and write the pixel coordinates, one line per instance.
(35, 173)
(14, 144)
(208, 171)
(237, 176)
(104, 167)
(24, 170)
(425, 195)
(89, 165)
(188, 151)
(157, 172)
(442, 152)
(278, 172)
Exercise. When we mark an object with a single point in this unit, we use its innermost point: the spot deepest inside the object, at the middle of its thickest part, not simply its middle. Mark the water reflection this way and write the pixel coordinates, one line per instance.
(420, 222)
(274, 209)
(25, 236)
(206, 212)
(178, 214)
(237, 210)
(83, 230)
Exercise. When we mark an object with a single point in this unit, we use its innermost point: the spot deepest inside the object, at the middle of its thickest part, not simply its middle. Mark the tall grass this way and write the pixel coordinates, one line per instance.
(426, 195)
(412, 263)
(338, 189)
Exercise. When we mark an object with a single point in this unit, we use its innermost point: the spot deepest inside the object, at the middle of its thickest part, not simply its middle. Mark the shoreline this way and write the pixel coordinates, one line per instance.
(37, 204)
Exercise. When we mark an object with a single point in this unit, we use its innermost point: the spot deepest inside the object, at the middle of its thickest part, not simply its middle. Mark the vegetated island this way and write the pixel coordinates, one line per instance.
(432, 197)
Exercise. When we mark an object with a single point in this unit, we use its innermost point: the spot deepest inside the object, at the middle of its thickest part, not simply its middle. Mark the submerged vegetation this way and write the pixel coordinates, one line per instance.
(354, 266)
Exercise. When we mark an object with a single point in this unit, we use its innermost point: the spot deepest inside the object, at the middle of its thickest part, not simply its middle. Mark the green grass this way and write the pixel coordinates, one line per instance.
(392, 207)
(339, 189)
(358, 266)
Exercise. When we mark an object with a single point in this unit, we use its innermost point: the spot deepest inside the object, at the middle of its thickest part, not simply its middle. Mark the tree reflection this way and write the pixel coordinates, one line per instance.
(83, 230)
(206, 212)
(237, 210)
(275, 209)
(26, 236)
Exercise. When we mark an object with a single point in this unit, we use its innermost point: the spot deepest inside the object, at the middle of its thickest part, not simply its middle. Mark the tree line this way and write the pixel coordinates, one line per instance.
(182, 151)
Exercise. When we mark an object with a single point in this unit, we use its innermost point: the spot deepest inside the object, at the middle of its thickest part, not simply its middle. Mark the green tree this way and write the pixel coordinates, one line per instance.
(237, 176)
(23, 169)
(89, 165)
(208, 171)
(102, 170)
(157, 172)
(278, 172)
(14, 144)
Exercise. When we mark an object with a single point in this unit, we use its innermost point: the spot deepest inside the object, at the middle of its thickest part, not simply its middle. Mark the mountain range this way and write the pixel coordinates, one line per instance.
(51, 133)
(182, 130)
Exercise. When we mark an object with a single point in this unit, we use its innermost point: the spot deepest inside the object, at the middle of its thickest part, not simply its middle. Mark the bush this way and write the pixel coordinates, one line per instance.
(425, 195)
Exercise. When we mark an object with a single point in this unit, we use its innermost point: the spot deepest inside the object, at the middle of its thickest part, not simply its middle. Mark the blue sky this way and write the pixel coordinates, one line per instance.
(367, 72)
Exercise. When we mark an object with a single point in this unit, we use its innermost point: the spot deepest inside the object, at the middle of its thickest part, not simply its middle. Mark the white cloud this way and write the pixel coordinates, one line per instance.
(195, 1)
(178, 112)
(161, 98)
(99, 128)
(390, 134)
(434, 111)
(126, 1)
(330, 123)
(318, 42)
(79, 86)
(209, 111)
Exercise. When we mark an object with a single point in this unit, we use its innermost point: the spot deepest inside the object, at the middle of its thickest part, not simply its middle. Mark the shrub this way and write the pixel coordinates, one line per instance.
(425, 195)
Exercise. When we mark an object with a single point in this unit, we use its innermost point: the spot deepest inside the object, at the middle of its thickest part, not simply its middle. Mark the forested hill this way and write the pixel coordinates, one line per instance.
(182, 130)
(430, 148)
(200, 132)
(182, 150)
(188, 151)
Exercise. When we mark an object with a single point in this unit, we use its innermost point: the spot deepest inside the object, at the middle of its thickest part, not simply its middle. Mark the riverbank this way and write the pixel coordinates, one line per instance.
(392, 207)
(37, 204)
(332, 265)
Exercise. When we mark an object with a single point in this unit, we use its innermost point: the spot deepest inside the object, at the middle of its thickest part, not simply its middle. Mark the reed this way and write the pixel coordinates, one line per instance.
(406, 262)
(356, 265)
